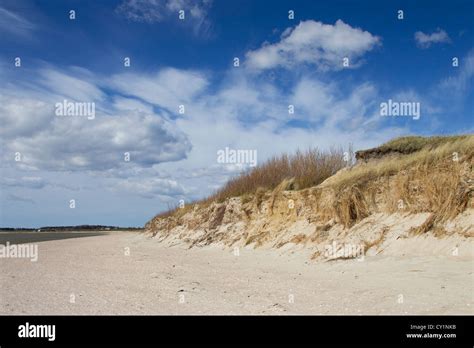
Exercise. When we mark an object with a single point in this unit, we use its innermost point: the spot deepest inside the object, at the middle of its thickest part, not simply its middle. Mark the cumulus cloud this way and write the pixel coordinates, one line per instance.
(47, 141)
(101, 144)
(152, 11)
(426, 40)
(315, 43)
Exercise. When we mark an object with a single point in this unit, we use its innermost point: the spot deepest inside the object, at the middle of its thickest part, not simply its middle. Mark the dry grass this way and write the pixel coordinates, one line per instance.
(436, 151)
(408, 145)
(304, 168)
(350, 205)
(427, 178)
(301, 170)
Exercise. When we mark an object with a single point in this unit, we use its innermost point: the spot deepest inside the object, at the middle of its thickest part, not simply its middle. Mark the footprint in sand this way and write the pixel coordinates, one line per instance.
(193, 286)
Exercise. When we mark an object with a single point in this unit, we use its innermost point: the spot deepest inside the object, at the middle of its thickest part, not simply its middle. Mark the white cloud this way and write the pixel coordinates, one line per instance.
(12, 23)
(426, 105)
(46, 141)
(142, 10)
(99, 144)
(461, 80)
(314, 98)
(72, 85)
(15, 198)
(168, 88)
(32, 182)
(150, 187)
(152, 11)
(131, 104)
(325, 104)
(22, 117)
(311, 42)
(426, 40)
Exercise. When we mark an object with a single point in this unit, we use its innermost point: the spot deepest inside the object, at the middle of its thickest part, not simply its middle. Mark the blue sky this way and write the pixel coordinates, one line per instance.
(189, 62)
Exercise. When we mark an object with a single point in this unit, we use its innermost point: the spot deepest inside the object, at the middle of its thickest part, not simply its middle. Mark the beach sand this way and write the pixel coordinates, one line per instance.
(129, 273)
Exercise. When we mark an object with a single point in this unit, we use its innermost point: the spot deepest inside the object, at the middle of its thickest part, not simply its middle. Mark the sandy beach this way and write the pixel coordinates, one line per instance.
(129, 273)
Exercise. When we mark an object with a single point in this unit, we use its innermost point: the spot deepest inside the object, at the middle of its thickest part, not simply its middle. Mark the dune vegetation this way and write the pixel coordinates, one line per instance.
(304, 168)
(423, 175)
(411, 174)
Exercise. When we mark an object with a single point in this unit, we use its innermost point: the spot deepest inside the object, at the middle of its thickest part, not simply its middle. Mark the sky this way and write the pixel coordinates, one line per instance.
(113, 111)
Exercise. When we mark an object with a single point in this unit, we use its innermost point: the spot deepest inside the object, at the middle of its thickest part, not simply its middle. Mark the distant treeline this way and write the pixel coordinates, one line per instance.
(72, 228)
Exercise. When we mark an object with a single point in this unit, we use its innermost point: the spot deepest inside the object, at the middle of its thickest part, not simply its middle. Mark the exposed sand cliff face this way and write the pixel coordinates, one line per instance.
(421, 209)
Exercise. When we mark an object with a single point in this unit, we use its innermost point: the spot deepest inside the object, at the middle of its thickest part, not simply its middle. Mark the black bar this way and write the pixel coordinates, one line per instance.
(222, 330)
